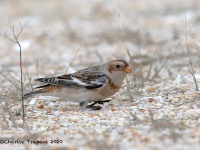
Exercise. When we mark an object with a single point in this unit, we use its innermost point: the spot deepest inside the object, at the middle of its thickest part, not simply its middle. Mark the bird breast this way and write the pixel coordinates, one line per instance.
(109, 89)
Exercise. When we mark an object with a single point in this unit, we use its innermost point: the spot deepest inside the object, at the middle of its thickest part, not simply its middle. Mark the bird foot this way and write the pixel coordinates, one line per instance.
(93, 107)
(99, 102)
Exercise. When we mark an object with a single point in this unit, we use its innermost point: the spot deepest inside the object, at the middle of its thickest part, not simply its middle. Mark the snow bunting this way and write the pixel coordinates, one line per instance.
(92, 84)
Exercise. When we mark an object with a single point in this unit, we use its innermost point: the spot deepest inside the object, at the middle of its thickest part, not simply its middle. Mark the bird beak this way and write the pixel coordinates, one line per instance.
(127, 69)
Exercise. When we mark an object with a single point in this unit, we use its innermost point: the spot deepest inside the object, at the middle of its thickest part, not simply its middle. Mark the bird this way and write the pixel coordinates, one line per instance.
(92, 84)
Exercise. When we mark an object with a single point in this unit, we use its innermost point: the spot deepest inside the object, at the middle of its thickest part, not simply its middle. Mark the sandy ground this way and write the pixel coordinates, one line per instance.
(158, 108)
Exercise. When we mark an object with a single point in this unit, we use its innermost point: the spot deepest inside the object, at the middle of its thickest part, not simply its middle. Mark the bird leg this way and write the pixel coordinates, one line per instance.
(92, 107)
(82, 105)
(103, 101)
(99, 102)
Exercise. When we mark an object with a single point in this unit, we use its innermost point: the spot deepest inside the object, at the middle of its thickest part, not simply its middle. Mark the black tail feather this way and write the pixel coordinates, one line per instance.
(30, 94)
(46, 85)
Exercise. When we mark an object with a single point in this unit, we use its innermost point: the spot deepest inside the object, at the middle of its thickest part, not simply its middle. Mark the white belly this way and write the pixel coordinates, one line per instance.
(83, 95)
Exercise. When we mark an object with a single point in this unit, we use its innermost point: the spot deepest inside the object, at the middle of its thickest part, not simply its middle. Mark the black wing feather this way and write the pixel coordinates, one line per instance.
(90, 80)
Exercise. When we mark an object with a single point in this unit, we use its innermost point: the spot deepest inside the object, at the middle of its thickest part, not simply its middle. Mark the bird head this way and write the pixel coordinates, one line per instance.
(118, 66)
(117, 69)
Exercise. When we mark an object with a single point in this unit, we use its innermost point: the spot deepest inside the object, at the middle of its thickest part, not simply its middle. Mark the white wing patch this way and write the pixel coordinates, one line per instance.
(78, 81)
(97, 82)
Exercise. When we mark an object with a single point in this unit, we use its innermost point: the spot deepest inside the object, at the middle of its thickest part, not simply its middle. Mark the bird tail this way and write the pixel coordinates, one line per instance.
(33, 93)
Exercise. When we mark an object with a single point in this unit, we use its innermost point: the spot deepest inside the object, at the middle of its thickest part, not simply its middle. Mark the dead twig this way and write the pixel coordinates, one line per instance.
(104, 47)
(189, 58)
(37, 64)
(129, 90)
(157, 71)
(149, 71)
(29, 77)
(11, 81)
(73, 58)
(120, 25)
(15, 39)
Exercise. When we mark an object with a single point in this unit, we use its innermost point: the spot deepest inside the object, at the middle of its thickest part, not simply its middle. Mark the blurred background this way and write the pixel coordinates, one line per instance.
(56, 30)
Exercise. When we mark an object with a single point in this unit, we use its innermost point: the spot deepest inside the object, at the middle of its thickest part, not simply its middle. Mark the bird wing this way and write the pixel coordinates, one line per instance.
(84, 79)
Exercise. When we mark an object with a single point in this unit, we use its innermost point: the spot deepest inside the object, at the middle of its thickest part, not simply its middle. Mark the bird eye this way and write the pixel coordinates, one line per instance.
(117, 66)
